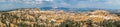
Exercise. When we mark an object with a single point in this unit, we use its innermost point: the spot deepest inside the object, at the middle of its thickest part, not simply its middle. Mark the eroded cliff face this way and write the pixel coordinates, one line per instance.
(33, 17)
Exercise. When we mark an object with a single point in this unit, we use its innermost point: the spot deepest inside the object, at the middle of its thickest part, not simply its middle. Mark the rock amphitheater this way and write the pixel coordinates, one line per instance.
(34, 17)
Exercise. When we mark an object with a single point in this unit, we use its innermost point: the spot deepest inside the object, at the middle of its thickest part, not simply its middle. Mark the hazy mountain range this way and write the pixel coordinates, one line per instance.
(72, 9)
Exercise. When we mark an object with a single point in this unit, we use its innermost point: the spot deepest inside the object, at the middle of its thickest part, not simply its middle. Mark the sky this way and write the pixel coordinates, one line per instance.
(105, 4)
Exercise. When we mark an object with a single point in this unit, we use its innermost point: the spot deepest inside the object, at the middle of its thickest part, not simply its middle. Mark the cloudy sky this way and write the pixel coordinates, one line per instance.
(109, 4)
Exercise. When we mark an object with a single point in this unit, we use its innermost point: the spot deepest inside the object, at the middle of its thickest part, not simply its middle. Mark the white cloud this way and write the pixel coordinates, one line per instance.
(73, 3)
(93, 0)
(43, 0)
(27, 1)
(32, 2)
(37, 1)
(113, 2)
(48, 0)
(2, 0)
(98, 4)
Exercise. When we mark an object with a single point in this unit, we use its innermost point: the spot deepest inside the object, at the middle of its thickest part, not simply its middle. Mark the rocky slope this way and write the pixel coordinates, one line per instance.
(33, 17)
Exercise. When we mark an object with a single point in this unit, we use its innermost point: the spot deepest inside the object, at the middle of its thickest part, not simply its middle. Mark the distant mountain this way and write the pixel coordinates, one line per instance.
(71, 9)
(116, 11)
(67, 9)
